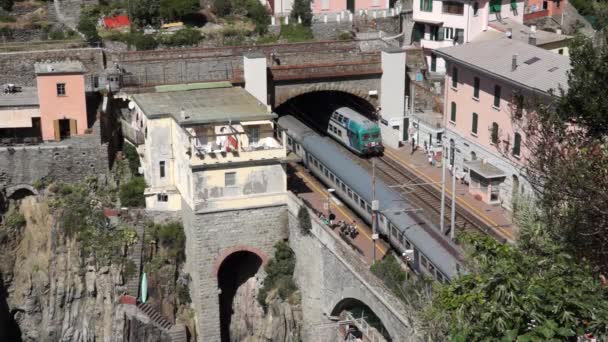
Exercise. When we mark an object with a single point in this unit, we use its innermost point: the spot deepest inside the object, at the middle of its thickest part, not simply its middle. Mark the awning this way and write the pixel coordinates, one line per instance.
(429, 21)
(485, 169)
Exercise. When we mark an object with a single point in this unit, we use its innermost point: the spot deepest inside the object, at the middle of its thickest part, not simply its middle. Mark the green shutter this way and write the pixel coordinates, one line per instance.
(514, 4)
(474, 126)
(476, 88)
(494, 136)
(454, 77)
(495, 6)
(496, 96)
(453, 114)
(517, 144)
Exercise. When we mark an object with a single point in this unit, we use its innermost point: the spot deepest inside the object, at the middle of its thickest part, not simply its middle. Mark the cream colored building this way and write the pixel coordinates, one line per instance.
(210, 146)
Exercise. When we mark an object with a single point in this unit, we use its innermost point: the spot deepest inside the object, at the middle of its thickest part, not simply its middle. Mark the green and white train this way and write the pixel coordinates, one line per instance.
(355, 131)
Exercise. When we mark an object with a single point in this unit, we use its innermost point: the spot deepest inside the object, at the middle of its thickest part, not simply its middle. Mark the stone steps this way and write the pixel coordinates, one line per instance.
(157, 319)
(135, 255)
(178, 333)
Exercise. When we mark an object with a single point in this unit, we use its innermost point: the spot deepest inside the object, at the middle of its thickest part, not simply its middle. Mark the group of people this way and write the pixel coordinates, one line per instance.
(350, 230)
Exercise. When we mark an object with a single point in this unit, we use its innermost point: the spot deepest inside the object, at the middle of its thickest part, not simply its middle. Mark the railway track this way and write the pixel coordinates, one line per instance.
(428, 198)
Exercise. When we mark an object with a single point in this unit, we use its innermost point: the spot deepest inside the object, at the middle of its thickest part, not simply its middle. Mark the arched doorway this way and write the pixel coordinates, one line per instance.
(515, 186)
(360, 310)
(315, 108)
(233, 272)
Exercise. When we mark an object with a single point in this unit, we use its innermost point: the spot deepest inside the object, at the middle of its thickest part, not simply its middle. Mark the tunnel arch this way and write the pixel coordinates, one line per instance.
(20, 191)
(315, 107)
(233, 268)
(284, 95)
(359, 309)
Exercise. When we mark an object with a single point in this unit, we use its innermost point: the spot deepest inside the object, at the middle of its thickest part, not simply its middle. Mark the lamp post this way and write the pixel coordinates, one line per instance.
(329, 192)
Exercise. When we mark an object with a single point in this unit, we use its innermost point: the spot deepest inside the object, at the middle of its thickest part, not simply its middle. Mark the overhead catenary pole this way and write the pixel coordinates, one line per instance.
(442, 212)
(453, 216)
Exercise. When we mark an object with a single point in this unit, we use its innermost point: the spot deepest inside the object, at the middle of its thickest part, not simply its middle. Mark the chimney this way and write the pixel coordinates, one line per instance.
(509, 33)
(559, 31)
(514, 63)
(532, 39)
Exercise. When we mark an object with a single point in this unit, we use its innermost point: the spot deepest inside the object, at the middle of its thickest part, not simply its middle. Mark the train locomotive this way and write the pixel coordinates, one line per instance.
(410, 234)
(355, 131)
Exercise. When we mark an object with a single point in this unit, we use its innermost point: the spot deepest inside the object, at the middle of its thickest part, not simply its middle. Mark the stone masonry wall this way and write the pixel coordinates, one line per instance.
(211, 237)
(18, 67)
(70, 160)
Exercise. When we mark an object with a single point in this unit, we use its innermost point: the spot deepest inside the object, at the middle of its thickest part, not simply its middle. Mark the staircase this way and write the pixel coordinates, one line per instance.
(155, 317)
(135, 255)
(178, 333)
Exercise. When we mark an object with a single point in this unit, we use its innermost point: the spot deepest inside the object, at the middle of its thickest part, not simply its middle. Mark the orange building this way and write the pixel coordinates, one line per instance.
(543, 8)
(61, 95)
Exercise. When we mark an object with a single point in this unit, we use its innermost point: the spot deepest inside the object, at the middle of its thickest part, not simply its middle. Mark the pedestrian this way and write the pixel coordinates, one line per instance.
(426, 147)
(413, 145)
(430, 155)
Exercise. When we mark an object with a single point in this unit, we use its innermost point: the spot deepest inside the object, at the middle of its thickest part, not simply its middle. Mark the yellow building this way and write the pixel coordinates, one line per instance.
(210, 146)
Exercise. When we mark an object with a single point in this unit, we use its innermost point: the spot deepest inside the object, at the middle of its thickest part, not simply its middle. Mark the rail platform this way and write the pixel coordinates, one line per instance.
(496, 217)
(312, 191)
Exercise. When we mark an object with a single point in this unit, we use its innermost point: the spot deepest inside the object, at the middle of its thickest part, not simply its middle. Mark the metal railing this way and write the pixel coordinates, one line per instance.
(370, 334)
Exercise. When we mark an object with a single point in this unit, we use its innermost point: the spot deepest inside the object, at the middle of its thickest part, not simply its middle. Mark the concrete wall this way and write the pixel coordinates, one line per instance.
(18, 117)
(71, 160)
(213, 236)
(328, 271)
(392, 98)
(18, 67)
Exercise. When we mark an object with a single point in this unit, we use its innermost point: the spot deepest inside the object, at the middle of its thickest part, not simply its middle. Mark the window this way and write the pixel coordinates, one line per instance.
(514, 5)
(474, 123)
(350, 193)
(497, 96)
(452, 7)
(340, 132)
(454, 77)
(60, 89)
(435, 33)
(332, 177)
(517, 144)
(230, 179)
(162, 197)
(426, 5)
(475, 8)
(448, 32)
(518, 102)
(361, 203)
(424, 261)
(459, 36)
(453, 113)
(433, 62)
(95, 82)
(560, 51)
(161, 166)
(253, 133)
(476, 83)
(495, 6)
(545, 5)
(494, 133)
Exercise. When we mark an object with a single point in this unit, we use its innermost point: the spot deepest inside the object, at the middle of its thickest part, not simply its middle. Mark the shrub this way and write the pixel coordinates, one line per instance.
(304, 220)
(174, 9)
(268, 39)
(279, 273)
(7, 5)
(259, 15)
(56, 35)
(185, 37)
(6, 32)
(142, 41)
(6, 18)
(301, 9)
(296, 33)
(345, 36)
(132, 193)
(222, 7)
(130, 152)
(14, 220)
(87, 27)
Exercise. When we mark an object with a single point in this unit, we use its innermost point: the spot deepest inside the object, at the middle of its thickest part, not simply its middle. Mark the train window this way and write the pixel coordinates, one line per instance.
(376, 135)
(289, 141)
(356, 198)
(326, 172)
(424, 261)
(408, 245)
(431, 268)
(369, 209)
(350, 193)
(297, 147)
(340, 117)
(332, 177)
(362, 203)
(340, 132)
(316, 163)
(343, 186)
(440, 277)
(365, 137)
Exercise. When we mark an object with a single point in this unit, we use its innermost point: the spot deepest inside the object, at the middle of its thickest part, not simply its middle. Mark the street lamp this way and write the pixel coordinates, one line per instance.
(329, 192)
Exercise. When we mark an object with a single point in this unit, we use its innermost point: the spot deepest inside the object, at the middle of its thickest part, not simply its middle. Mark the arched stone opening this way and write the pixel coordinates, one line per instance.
(359, 309)
(18, 192)
(233, 270)
(316, 107)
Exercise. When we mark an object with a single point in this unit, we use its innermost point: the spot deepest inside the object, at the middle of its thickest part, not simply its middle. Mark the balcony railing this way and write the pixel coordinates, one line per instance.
(232, 152)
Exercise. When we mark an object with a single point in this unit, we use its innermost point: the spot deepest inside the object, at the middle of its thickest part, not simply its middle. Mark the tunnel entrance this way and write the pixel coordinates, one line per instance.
(315, 108)
(358, 309)
(234, 271)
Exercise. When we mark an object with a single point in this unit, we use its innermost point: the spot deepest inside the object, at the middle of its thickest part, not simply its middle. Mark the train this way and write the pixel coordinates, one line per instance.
(409, 233)
(355, 131)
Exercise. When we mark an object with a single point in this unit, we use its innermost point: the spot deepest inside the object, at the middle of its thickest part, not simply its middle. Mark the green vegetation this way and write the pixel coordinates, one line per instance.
(302, 9)
(14, 220)
(5, 17)
(304, 220)
(130, 153)
(88, 28)
(294, 33)
(185, 37)
(177, 9)
(131, 194)
(596, 12)
(279, 274)
(345, 36)
(170, 238)
(511, 295)
(7, 5)
(142, 41)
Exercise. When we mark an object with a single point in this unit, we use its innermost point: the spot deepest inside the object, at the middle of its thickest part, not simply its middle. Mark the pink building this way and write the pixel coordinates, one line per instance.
(283, 7)
(62, 101)
(543, 8)
(487, 88)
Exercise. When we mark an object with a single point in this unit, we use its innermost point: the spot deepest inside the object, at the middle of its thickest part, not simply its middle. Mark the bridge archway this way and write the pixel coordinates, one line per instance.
(315, 107)
(233, 268)
(359, 309)
(20, 191)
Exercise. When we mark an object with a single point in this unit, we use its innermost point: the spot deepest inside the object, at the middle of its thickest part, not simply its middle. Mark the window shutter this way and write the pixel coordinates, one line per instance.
(56, 130)
(453, 114)
(441, 33)
(517, 144)
(474, 126)
(73, 128)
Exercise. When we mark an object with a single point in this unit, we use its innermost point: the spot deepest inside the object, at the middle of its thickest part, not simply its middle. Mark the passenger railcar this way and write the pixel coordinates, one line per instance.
(406, 231)
(355, 131)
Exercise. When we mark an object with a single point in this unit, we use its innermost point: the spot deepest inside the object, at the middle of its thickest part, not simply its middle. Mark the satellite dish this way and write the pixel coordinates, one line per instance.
(131, 104)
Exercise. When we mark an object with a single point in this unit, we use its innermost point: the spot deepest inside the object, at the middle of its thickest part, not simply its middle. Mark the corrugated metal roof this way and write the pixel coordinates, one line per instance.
(392, 205)
(494, 57)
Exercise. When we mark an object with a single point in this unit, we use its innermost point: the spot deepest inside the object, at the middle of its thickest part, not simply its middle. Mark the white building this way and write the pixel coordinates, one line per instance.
(208, 146)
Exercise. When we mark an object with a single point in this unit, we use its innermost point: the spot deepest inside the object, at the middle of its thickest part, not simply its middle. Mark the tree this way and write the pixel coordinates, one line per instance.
(568, 167)
(304, 220)
(87, 27)
(259, 15)
(301, 9)
(509, 295)
(7, 5)
(145, 12)
(184, 37)
(175, 9)
(143, 41)
(132, 193)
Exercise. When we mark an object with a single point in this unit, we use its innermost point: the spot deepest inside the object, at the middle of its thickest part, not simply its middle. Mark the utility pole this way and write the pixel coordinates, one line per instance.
(375, 207)
(443, 161)
(453, 225)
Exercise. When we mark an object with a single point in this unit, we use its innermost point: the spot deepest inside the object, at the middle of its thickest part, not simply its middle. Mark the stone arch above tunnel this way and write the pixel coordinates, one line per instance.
(229, 251)
(358, 88)
(19, 191)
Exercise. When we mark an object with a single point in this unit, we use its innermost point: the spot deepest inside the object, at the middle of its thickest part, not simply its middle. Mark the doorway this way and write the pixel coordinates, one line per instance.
(350, 6)
(64, 128)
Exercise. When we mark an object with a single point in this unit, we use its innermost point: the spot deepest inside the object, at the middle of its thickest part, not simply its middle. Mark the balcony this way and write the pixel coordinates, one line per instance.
(435, 44)
(244, 144)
